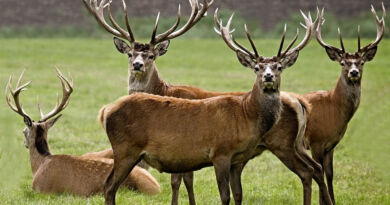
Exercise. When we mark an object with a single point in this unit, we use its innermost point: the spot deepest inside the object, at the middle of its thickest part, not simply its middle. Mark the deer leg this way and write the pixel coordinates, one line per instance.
(235, 182)
(318, 156)
(122, 168)
(222, 169)
(305, 172)
(175, 185)
(189, 182)
(319, 178)
(328, 167)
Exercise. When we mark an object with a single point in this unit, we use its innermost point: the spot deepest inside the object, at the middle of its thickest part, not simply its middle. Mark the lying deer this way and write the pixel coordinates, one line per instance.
(285, 138)
(332, 110)
(221, 131)
(66, 173)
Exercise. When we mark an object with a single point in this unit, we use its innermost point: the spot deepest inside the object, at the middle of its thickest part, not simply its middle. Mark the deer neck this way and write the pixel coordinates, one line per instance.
(264, 106)
(150, 83)
(39, 151)
(347, 96)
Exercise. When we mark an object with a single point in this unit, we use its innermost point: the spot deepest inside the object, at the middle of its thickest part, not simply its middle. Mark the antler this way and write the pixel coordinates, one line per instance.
(196, 14)
(98, 12)
(225, 33)
(67, 89)
(15, 94)
(321, 21)
(380, 29)
(308, 26)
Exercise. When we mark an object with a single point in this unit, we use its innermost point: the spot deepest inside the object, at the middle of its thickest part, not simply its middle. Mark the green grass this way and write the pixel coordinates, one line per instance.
(100, 77)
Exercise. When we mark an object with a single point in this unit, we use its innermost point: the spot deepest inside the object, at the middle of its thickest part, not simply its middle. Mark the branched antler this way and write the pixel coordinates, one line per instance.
(67, 89)
(197, 12)
(380, 27)
(226, 34)
(18, 108)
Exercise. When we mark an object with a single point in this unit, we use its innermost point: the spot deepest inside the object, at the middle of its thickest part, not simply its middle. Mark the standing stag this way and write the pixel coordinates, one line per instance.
(332, 110)
(82, 176)
(146, 79)
(221, 131)
(285, 138)
(143, 73)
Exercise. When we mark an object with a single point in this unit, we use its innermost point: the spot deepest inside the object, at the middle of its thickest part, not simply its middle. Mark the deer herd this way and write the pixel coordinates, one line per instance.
(179, 129)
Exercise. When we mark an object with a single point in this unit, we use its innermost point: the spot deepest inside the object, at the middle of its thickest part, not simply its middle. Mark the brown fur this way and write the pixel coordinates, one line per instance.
(163, 135)
(85, 177)
(328, 121)
(80, 175)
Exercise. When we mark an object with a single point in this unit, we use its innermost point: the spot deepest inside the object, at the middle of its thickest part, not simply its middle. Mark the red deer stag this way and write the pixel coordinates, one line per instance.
(143, 73)
(332, 110)
(66, 173)
(220, 131)
(285, 139)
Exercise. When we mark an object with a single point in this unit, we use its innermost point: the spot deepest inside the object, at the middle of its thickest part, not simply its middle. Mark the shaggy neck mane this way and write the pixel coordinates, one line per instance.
(41, 143)
(40, 151)
(264, 105)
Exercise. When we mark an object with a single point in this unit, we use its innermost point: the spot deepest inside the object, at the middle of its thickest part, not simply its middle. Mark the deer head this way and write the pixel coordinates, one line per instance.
(352, 63)
(36, 132)
(142, 55)
(267, 69)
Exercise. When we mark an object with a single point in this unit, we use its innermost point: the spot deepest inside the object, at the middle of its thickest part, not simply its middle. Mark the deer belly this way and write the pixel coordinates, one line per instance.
(177, 162)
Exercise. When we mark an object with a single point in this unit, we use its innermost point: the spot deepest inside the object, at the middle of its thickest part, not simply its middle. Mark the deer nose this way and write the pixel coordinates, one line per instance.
(268, 77)
(354, 73)
(137, 65)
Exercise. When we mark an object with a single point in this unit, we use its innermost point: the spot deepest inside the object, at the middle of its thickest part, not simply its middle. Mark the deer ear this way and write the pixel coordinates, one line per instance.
(51, 122)
(334, 54)
(162, 48)
(245, 60)
(121, 45)
(27, 121)
(290, 59)
(369, 54)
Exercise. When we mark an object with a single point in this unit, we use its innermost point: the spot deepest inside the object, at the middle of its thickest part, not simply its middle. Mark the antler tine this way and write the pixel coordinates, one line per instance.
(380, 28)
(131, 35)
(292, 43)
(316, 21)
(169, 31)
(186, 27)
(18, 108)
(282, 41)
(359, 48)
(196, 14)
(152, 41)
(67, 89)
(251, 41)
(318, 32)
(341, 40)
(225, 33)
(308, 26)
(98, 12)
(39, 108)
(116, 25)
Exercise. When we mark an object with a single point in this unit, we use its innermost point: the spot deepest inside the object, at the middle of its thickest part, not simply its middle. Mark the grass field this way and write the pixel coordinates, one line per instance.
(100, 76)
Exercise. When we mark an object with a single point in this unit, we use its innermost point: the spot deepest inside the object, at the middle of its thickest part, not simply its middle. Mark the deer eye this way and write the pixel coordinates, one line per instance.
(256, 68)
(130, 55)
(280, 67)
(151, 57)
(362, 63)
(342, 63)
